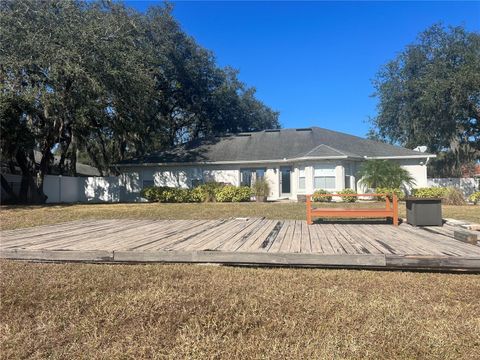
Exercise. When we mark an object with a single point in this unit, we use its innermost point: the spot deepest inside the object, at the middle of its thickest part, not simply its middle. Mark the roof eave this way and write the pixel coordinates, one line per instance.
(277, 161)
(419, 156)
(236, 162)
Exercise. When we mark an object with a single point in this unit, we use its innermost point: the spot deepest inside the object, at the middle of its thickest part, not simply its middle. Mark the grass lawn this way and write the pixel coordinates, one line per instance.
(12, 217)
(190, 311)
(194, 311)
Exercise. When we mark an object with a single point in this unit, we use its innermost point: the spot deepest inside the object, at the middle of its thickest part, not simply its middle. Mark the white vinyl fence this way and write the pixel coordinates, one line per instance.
(68, 189)
(466, 185)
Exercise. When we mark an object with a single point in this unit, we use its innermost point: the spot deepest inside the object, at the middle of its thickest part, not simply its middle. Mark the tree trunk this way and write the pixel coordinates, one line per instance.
(73, 156)
(63, 156)
(28, 182)
(8, 189)
(43, 169)
(95, 160)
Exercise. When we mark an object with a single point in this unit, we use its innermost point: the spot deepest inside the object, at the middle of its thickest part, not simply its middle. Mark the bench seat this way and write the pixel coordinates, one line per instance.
(389, 211)
(352, 212)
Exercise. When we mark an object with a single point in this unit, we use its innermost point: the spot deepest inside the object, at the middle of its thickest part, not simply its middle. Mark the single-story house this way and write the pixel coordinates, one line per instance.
(293, 161)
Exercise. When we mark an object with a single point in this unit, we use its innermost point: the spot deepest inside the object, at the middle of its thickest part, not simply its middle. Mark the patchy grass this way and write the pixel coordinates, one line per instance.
(12, 217)
(187, 311)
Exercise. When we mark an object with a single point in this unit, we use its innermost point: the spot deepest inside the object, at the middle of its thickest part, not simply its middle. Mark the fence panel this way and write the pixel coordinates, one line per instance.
(69, 189)
(466, 185)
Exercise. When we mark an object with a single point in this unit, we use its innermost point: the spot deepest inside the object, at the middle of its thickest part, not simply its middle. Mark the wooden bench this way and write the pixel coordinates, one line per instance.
(390, 210)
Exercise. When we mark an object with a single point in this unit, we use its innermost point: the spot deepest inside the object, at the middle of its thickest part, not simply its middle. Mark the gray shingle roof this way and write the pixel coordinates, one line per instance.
(282, 144)
(81, 169)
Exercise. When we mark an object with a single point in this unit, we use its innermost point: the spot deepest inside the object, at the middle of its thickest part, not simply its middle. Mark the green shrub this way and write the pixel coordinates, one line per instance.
(349, 199)
(207, 190)
(449, 196)
(475, 197)
(430, 192)
(230, 193)
(316, 197)
(149, 193)
(198, 194)
(165, 194)
(390, 191)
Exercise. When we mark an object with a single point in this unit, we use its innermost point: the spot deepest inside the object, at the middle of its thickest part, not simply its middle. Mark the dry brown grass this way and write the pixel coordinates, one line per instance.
(12, 217)
(75, 311)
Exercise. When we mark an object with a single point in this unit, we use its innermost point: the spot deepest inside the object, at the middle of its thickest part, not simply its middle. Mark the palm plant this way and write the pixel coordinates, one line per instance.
(384, 173)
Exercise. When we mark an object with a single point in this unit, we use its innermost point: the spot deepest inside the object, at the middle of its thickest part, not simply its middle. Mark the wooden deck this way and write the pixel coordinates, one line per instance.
(244, 241)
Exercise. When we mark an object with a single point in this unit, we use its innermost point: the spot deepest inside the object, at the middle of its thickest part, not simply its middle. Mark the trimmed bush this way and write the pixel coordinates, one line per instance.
(475, 197)
(430, 192)
(198, 194)
(316, 197)
(149, 193)
(449, 196)
(165, 194)
(390, 191)
(207, 190)
(221, 193)
(349, 199)
(232, 193)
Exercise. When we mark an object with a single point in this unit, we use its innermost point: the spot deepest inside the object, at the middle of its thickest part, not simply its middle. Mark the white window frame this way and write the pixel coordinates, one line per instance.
(302, 175)
(253, 175)
(324, 171)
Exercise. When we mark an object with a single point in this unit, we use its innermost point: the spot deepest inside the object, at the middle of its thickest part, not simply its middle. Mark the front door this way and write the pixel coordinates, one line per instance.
(285, 180)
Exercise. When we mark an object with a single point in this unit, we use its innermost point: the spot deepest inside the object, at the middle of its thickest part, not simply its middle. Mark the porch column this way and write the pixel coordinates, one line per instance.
(339, 177)
(309, 179)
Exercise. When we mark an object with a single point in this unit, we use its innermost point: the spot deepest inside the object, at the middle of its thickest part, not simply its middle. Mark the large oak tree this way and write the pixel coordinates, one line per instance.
(430, 95)
(104, 82)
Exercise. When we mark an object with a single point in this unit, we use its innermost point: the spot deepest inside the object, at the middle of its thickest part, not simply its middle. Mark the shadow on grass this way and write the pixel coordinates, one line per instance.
(66, 205)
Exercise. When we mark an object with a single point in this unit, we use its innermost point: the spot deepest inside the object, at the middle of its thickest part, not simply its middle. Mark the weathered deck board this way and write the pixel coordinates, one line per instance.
(277, 244)
(255, 241)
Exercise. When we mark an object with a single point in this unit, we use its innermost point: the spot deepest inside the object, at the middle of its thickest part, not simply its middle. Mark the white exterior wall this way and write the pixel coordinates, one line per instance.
(127, 186)
(105, 189)
(417, 169)
(182, 176)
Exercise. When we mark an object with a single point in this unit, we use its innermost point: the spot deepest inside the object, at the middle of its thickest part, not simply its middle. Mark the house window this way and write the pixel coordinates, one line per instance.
(245, 177)
(147, 183)
(347, 182)
(301, 179)
(324, 177)
(197, 177)
(249, 176)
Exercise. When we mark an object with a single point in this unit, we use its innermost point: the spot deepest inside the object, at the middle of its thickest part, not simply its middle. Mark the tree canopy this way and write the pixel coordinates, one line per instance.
(430, 95)
(105, 82)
